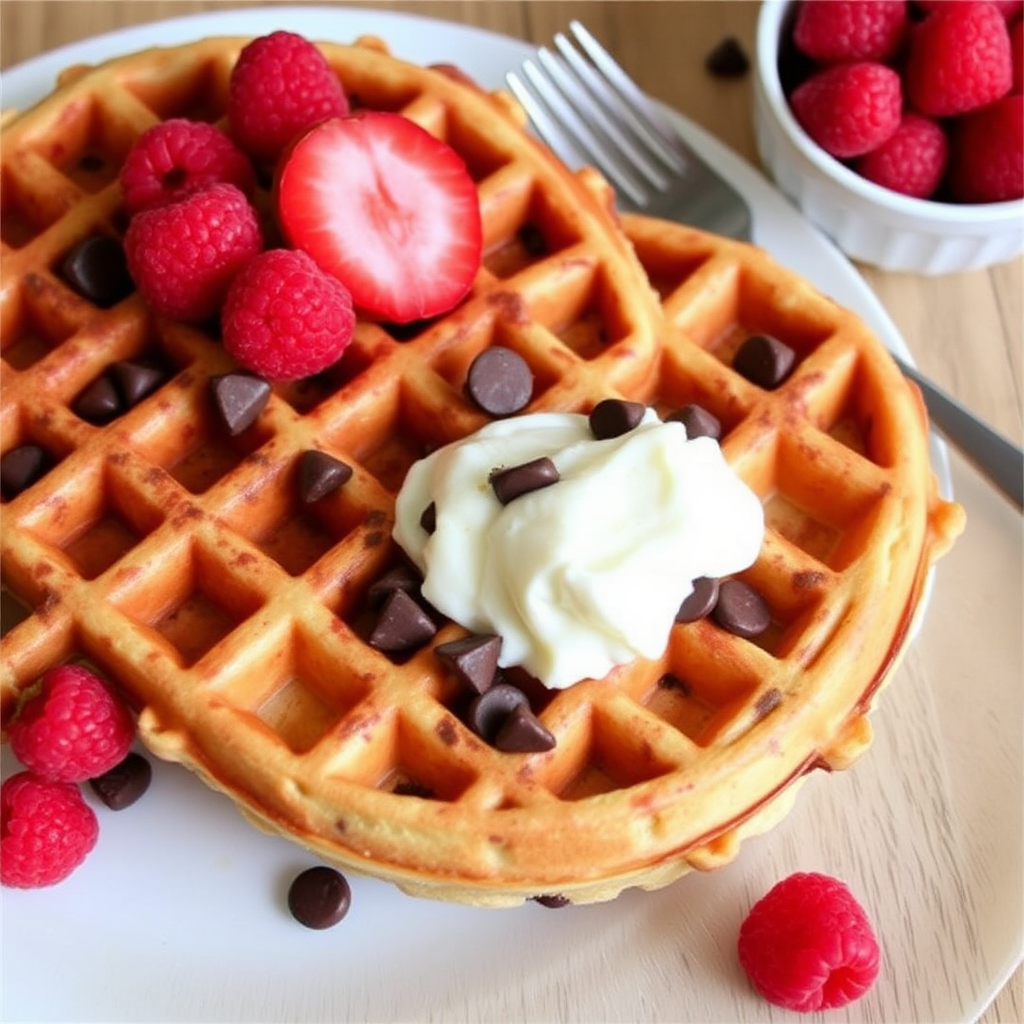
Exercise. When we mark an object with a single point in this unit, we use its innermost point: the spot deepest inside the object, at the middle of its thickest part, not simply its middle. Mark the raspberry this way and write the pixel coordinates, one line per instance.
(73, 728)
(176, 157)
(280, 86)
(834, 31)
(911, 161)
(284, 318)
(1007, 8)
(958, 60)
(808, 945)
(1017, 54)
(183, 256)
(46, 831)
(986, 161)
(849, 109)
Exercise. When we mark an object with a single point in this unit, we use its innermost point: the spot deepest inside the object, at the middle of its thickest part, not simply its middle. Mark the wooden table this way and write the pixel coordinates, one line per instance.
(964, 330)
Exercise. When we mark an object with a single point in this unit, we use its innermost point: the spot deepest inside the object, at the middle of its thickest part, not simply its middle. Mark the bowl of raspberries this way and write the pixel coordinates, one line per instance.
(897, 126)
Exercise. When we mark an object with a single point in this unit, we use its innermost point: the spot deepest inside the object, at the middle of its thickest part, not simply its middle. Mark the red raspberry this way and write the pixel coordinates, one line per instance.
(183, 256)
(280, 86)
(834, 31)
(849, 109)
(176, 157)
(46, 831)
(911, 161)
(808, 945)
(284, 318)
(958, 60)
(986, 161)
(1017, 54)
(73, 728)
(1007, 8)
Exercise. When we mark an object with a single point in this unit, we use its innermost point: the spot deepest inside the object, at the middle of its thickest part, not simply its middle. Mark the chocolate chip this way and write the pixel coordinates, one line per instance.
(96, 268)
(136, 380)
(614, 417)
(400, 578)
(319, 897)
(701, 600)
(522, 732)
(99, 403)
(403, 625)
(487, 712)
(499, 381)
(123, 784)
(553, 901)
(21, 467)
(697, 421)
(728, 59)
(473, 659)
(320, 474)
(515, 481)
(764, 361)
(741, 609)
(239, 398)
(428, 519)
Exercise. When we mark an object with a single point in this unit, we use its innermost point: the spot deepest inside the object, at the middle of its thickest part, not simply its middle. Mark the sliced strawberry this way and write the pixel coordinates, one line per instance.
(386, 208)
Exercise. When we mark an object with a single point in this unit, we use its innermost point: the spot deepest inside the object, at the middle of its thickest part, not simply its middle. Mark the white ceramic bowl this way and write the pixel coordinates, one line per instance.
(869, 223)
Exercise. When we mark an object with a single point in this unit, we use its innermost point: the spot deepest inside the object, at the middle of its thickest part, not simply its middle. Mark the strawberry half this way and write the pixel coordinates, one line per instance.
(386, 208)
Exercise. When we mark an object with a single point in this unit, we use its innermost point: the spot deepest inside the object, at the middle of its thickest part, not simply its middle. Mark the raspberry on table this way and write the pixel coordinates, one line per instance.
(182, 256)
(807, 944)
(178, 156)
(958, 59)
(849, 109)
(280, 86)
(46, 830)
(911, 161)
(986, 162)
(73, 728)
(835, 31)
(284, 318)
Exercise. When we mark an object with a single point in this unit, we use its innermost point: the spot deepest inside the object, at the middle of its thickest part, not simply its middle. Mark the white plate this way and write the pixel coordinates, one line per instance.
(179, 913)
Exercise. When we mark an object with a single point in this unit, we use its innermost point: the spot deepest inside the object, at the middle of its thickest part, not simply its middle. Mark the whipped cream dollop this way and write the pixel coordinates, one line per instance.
(588, 572)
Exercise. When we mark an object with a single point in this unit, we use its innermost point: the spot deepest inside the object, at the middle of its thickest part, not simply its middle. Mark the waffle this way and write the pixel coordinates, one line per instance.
(179, 559)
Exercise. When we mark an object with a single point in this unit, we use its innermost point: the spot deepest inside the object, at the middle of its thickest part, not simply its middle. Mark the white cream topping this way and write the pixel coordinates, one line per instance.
(589, 572)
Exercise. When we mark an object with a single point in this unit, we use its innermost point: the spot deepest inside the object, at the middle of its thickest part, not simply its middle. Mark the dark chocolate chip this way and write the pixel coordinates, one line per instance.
(399, 578)
(614, 417)
(320, 474)
(402, 626)
(697, 421)
(96, 268)
(487, 713)
(741, 609)
(522, 732)
(100, 402)
(553, 901)
(21, 467)
(240, 398)
(515, 481)
(319, 897)
(136, 380)
(428, 520)
(499, 381)
(473, 659)
(764, 361)
(700, 601)
(728, 59)
(123, 784)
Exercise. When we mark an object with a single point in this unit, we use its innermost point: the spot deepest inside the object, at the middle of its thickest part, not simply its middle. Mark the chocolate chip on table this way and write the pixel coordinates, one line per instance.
(320, 474)
(239, 398)
(100, 402)
(96, 268)
(522, 732)
(614, 417)
(319, 897)
(136, 380)
(741, 609)
(728, 59)
(487, 712)
(499, 381)
(764, 361)
(428, 518)
(697, 421)
(402, 626)
(21, 467)
(511, 483)
(701, 600)
(402, 577)
(472, 659)
(123, 784)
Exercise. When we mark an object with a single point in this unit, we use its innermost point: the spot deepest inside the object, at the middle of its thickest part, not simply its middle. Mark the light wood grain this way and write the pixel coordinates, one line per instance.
(965, 330)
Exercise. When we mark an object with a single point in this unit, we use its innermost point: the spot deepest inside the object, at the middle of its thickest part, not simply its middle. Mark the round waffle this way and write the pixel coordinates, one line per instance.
(180, 559)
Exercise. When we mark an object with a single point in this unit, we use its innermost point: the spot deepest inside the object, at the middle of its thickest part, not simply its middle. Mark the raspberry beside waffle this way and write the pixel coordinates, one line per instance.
(180, 560)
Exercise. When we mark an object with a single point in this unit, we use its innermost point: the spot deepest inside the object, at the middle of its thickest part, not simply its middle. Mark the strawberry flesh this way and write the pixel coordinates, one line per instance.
(388, 209)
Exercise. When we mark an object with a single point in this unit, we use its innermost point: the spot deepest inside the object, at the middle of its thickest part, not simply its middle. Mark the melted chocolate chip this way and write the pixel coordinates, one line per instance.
(499, 381)
(21, 467)
(123, 784)
(99, 403)
(319, 897)
(402, 626)
(522, 732)
(728, 59)
(516, 481)
(96, 268)
(320, 474)
(614, 417)
(473, 659)
(700, 601)
(741, 609)
(487, 712)
(764, 361)
(697, 421)
(239, 398)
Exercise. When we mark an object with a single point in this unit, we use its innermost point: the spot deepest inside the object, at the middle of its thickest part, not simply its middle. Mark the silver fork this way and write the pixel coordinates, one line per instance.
(584, 105)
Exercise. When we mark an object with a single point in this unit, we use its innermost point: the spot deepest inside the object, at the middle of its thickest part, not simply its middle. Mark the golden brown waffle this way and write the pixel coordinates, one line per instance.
(181, 562)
